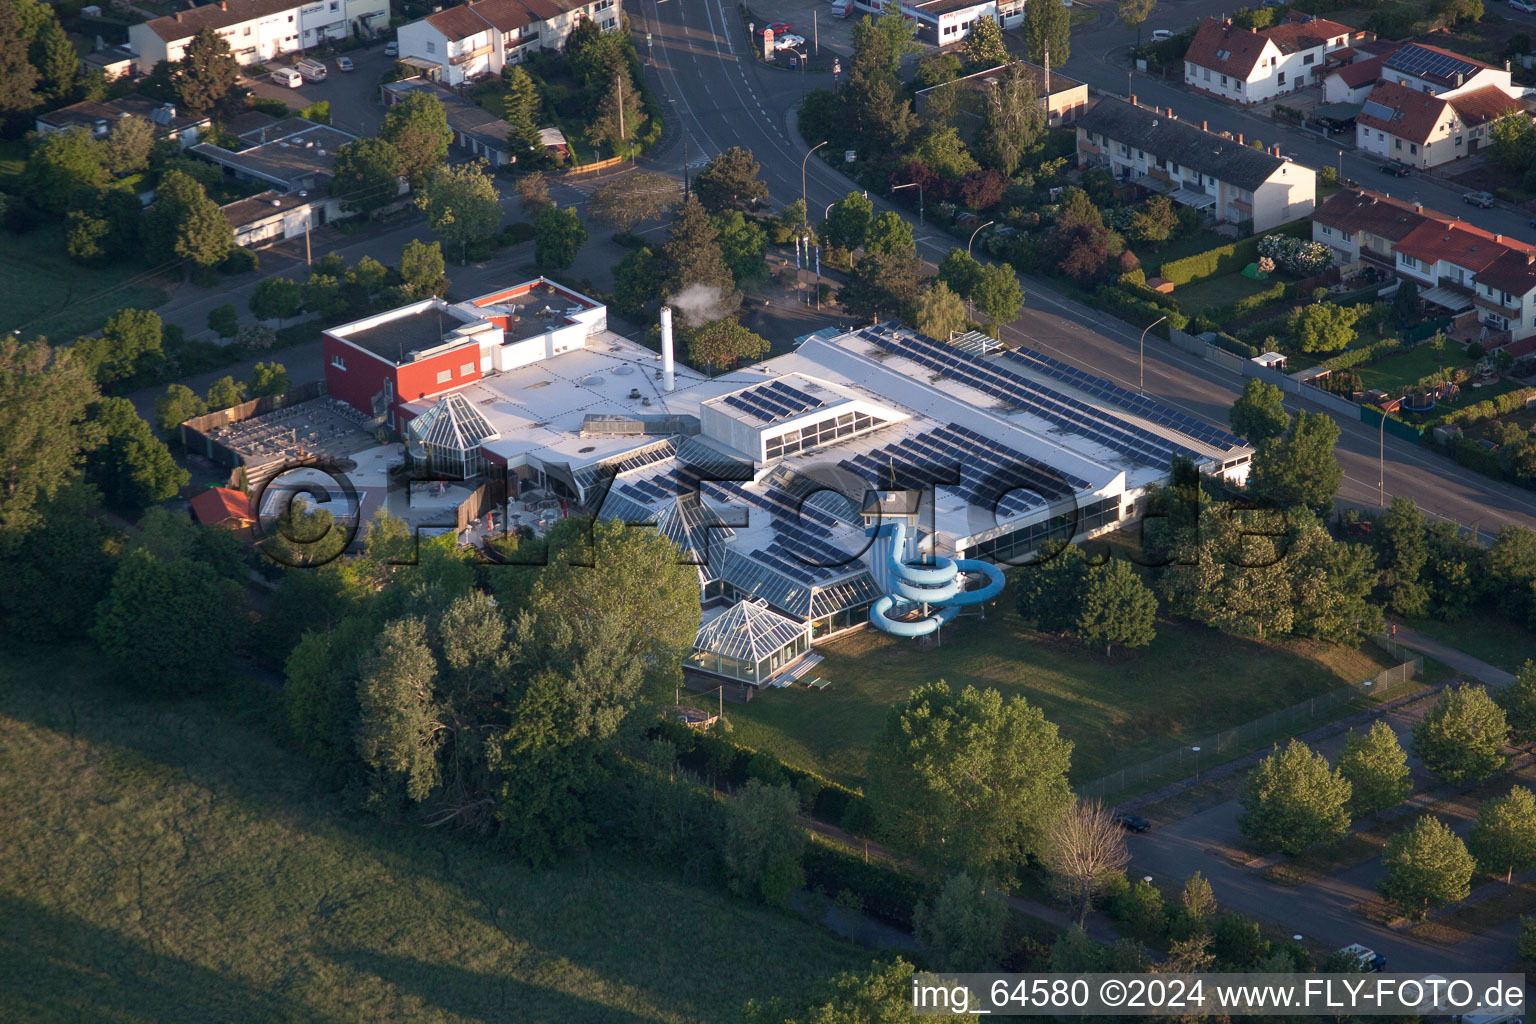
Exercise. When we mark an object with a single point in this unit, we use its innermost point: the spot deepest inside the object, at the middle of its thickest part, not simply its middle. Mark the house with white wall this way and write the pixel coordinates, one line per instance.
(1194, 166)
(1365, 226)
(98, 118)
(1467, 268)
(1423, 129)
(458, 44)
(947, 22)
(1430, 69)
(1250, 66)
(256, 30)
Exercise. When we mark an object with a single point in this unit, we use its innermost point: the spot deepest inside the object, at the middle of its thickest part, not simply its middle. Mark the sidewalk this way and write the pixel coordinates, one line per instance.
(1458, 660)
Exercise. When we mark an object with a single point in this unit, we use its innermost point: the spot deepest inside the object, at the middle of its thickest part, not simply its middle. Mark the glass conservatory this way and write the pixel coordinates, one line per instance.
(749, 642)
(446, 438)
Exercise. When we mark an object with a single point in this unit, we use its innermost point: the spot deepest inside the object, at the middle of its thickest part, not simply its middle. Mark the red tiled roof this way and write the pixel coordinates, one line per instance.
(1456, 242)
(1483, 105)
(1525, 346)
(1352, 210)
(1359, 73)
(1294, 35)
(219, 505)
(1415, 113)
(1513, 271)
(184, 24)
(1242, 47)
(457, 23)
(505, 15)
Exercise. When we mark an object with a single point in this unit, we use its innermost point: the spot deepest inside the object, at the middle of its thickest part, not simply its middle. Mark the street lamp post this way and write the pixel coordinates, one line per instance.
(919, 187)
(974, 233)
(1381, 463)
(802, 176)
(1197, 762)
(1341, 167)
(1141, 371)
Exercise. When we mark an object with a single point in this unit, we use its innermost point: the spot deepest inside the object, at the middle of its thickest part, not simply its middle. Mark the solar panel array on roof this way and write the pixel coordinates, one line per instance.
(1129, 439)
(1377, 110)
(773, 401)
(1416, 60)
(784, 507)
(1127, 399)
(986, 474)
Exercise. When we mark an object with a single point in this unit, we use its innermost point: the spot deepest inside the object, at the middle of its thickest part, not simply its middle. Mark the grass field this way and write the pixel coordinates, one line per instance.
(1395, 373)
(1220, 291)
(163, 861)
(48, 293)
(1118, 710)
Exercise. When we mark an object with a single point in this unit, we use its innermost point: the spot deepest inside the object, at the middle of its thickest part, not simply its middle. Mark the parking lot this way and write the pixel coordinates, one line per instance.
(825, 37)
(354, 95)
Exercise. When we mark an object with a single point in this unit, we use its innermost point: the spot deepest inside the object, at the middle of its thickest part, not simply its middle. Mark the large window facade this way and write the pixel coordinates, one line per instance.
(812, 435)
(1018, 545)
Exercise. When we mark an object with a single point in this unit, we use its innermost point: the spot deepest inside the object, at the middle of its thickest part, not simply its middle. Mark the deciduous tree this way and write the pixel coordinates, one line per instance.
(1504, 838)
(984, 47)
(398, 731)
(417, 127)
(1046, 27)
(127, 146)
(722, 344)
(225, 392)
(763, 843)
(57, 63)
(847, 223)
(421, 268)
(45, 395)
(633, 199)
(1299, 467)
(938, 311)
(1377, 769)
(277, 298)
(268, 379)
(960, 271)
(463, 205)
(1518, 702)
(1154, 222)
(1086, 847)
(59, 165)
(1134, 13)
(533, 191)
(962, 927)
(367, 175)
(1462, 738)
(1259, 412)
(184, 224)
(1012, 119)
(998, 296)
(1294, 799)
(1427, 866)
(1402, 552)
(1115, 607)
(742, 245)
(881, 286)
(132, 468)
(179, 404)
(558, 236)
(1323, 326)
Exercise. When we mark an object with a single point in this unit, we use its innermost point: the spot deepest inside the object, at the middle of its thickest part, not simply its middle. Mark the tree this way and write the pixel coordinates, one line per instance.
(132, 468)
(1427, 866)
(85, 237)
(179, 404)
(1462, 738)
(1511, 572)
(127, 146)
(57, 63)
(1154, 222)
(636, 281)
(881, 285)
(421, 268)
(59, 165)
(723, 343)
(763, 843)
(1323, 326)
(1299, 467)
(184, 224)
(1199, 902)
(984, 47)
(847, 223)
(417, 127)
(1402, 552)
(1293, 799)
(730, 181)
(1236, 943)
(1079, 239)
(225, 393)
(1504, 838)
(1259, 412)
(67, 554)
(624, 202)
(1012, 119)
(960, 271)
(1405, 304)
(883, 995)
(998, 296)
(522, 107)
(276, 298)
(1115, 607)
(962, 928)
(1527, 940)
(45, 395)
(967, 779)
(890, 235)
(206, 76)
(1050, 590)
(167, 626)
(936, 69)
(322, 295)
(1518, 702)
(131, 341)
(268, 379)
(620, 113)
(692, 254)
(1086, 848)
(398, 732)
(463, 205)
(940, 149)
(1134, 13)
(18, 78)
(533, 191)
(1377, 770)
(1046, 25)
(1453, 11)
(557, 236)
(224, 320)
(939, 312)
(742, 245)
(367, 175)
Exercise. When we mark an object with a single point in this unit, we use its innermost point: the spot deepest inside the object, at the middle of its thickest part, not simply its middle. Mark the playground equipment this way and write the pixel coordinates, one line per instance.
(923, 596)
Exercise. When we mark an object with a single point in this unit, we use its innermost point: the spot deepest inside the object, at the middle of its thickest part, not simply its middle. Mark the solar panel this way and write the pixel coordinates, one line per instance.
(1377, 110)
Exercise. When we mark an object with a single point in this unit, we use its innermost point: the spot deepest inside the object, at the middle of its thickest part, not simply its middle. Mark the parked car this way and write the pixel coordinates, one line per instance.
(1369, 958)
(287, 77)
(788, 41)
(842, 8)
(392, 48)
(312, 70)
(1483, 199)
(1522, 5)
(779, 28)
(1396, 168)
(1132, 822)
(345, 64)
(1159, 34)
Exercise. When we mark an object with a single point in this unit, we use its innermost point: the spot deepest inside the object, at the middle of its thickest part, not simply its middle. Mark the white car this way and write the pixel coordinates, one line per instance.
(1159, 34)
(392, 48)
(344, 64)
(788, 42)
(1521, 5)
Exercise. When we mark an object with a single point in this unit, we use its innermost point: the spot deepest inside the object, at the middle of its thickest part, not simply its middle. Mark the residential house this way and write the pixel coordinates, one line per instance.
(1465, 269)
(947, 22)
(1433, 70)
(98, 118)
(274, 216)
(1063, 98)
(225, 508)
(1365, 226)
(457, 44)
(1352, 83)
(476, 130)
(1233, 182)
(113, 62)
(1250, 66)
(1423, 129)
(257, 30)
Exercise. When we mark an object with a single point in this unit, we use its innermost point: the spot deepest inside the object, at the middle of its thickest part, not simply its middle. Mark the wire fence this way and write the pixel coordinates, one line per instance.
(1211, 751)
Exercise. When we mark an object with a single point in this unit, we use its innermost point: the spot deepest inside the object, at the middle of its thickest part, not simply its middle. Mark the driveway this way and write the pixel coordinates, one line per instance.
(354, 96)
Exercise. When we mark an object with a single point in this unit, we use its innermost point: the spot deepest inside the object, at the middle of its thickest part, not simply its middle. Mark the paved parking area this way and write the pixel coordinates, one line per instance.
(354, 96)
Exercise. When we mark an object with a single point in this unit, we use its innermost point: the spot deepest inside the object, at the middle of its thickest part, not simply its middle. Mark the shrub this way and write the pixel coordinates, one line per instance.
(1225, 259)
(1233, 345)
(1137, 310)
(1295, 254)
(516, 233)
(239, 261)
(887, 892)
(1360, 356)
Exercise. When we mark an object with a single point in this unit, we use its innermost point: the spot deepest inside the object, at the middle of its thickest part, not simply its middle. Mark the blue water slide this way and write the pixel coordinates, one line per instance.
(939, 585)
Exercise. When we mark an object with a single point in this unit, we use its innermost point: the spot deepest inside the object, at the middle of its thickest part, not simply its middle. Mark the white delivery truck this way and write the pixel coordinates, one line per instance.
(312, 70)
(288, 77)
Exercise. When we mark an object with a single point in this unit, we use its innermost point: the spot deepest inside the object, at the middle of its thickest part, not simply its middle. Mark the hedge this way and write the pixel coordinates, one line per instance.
(1233, 345)
(1358, 356)
(888, 892)
(1277, 292)
(1226, 259)
(1137, 310)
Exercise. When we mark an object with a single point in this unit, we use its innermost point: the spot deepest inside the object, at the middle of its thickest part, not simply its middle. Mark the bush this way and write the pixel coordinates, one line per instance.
(1233, 345)
(1360, 356)
(1277, 292)
(1299, 256)
(1225, 259)
(277, 108)
(1133, 308)
(516, 233)
(887, 892)
(239, 261)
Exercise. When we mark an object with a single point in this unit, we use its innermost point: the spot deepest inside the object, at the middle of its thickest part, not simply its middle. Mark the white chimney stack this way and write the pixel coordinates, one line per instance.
(668, 371)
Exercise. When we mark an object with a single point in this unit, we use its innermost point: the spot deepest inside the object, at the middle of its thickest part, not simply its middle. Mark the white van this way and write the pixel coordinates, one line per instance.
(312, 70)
(842, 8)
(289, 77)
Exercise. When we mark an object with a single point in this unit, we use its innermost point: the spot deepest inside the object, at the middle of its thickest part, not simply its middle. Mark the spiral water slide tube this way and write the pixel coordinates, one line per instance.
(938, 585)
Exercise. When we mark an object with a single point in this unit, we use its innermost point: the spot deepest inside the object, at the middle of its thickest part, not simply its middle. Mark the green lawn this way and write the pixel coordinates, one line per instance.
(1486, 638)
(47, 293)
(1119, 710)
(1200, 241)
(163, 861)
(1220, 291)
(1397, 372)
